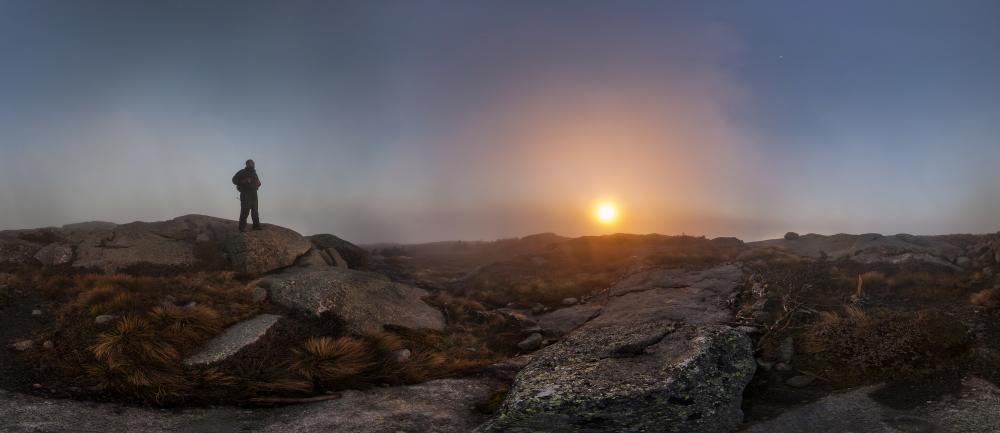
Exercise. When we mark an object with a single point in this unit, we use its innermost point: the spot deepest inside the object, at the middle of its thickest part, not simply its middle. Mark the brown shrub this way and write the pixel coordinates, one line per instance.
(886, 344)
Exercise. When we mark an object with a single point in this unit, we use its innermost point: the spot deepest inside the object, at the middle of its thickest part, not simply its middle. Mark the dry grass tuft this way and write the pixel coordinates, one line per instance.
(989, 298)
(133, 342)
(329, 361)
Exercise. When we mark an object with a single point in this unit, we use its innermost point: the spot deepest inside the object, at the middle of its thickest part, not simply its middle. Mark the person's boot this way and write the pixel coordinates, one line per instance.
(258, 227)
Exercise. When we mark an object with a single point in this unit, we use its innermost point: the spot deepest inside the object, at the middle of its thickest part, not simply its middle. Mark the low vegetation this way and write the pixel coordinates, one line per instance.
(885, 344)
(154, 322)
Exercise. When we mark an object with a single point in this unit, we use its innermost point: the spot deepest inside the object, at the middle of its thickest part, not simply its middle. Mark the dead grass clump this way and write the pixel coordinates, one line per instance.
(989, 298)
(886, 344)
(186, 326)
(328, 362)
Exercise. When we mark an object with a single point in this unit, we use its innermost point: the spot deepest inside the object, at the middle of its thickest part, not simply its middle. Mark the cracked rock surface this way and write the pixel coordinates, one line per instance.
(652, 356)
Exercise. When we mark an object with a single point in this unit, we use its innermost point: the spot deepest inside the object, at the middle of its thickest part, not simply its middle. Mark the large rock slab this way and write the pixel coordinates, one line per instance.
(355, 256)
(649, 354)
(870, 248)
(641, 377)
(192, 241)
(977, 410)
(363, 301)
(234, 339)
(441, 406)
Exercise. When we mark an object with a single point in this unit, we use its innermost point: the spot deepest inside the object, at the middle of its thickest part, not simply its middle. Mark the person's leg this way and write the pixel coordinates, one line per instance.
(256, 215)
(244, 211)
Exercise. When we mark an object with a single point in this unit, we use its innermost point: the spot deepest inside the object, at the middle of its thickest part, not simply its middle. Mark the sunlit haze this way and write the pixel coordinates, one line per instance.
(397, 121)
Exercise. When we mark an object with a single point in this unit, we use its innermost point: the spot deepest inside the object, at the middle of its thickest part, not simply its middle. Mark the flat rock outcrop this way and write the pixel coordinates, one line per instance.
(870, 248)
(234, 339)
(649, 354)
(191, 241)
(856, 411)
(363, 301)
(440, 406)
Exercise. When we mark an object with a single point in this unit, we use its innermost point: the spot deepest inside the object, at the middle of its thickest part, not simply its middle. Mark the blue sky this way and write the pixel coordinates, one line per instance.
(416, 121)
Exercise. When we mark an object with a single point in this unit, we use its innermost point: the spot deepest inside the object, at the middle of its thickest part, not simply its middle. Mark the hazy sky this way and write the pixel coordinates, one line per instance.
(424, 120)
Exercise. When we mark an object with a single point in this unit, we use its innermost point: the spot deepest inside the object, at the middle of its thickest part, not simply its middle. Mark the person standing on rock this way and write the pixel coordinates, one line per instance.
(247, 182)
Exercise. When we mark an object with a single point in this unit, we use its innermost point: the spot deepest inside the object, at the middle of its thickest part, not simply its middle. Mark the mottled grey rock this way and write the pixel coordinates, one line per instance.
(565, 320)
(534, 341)
(189, 241)
(233, 339)
(54, 254)
(355, 256)
(675, 295)
(440, 406)
(104, 318)
(569, 301)
(335, 259)
(632, 378)
(17, 251)
(791, 236)
(363, 301)
(312, 259)
(869, 248)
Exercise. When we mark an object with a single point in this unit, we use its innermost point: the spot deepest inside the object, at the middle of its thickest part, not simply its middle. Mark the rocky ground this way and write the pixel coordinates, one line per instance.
(623, 333)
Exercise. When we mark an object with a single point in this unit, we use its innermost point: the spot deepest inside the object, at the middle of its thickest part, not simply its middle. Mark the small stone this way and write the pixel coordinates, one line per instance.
(533, 342)
(569, 301)
(765, 365)
(48, 344)
(104, 318)
(36, 312)
(37, 386)
(402, 355)
(22, 345)
(259, 294)
(781, 366)
(799, 381)
(538, 308)
(191, 304)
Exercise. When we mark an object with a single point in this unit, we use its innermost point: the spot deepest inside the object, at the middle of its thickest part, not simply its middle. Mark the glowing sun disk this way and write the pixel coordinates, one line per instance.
(607, 213)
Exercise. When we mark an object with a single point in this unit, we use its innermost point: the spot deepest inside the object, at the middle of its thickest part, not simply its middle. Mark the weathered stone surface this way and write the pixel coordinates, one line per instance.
(363, 301)
(233, 339)
(441, 406)
(646, 355)
(565, 320)
(534, 341)
(54, 254)
(632, 378)
(16, 251)
(104, 318)
(312, 259)
(188, 241)
(855, 411)
(355, 256)
(869, 248)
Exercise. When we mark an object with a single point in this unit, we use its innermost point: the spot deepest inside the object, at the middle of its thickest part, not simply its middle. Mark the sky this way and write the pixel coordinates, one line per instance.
(413, 121)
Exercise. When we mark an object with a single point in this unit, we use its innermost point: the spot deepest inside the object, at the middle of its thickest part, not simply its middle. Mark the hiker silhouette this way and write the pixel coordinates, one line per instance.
(247, 183)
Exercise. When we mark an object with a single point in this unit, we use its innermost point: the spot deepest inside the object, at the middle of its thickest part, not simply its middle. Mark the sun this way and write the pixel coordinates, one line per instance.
(606, 213)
